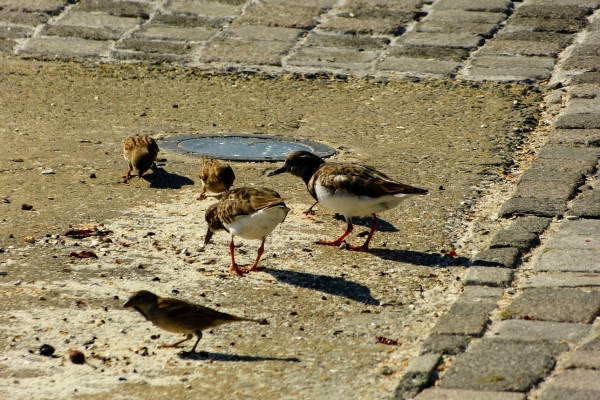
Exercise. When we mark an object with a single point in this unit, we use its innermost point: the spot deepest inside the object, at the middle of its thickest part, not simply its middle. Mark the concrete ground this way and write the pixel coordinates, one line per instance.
(488, 285)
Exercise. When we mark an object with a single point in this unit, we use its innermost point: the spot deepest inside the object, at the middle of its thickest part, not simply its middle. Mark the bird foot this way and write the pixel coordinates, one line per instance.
(235, 269)
(201, 197)
(253, 268)
(354, 247)
(309, 212)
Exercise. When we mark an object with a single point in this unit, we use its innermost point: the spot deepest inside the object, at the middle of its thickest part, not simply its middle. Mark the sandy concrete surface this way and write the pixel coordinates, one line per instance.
(325, 305)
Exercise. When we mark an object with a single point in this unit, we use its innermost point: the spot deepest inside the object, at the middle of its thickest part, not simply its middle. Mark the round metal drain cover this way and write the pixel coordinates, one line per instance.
(240, 147)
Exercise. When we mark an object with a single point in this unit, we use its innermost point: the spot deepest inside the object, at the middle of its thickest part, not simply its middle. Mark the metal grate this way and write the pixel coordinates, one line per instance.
(239, 147)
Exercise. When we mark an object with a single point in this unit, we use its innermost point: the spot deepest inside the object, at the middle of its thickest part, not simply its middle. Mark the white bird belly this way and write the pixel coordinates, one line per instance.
(257, 225)
(351, 205)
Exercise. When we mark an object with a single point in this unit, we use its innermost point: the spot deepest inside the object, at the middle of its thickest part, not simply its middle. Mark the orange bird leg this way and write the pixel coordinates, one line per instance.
(261, 250)
(365, 245)
(339, 240)
(188, 337)
(199, 334)
(310, 209)
(234, 267)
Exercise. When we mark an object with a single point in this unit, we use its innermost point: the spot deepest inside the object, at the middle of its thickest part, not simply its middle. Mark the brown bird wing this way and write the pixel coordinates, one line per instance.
(182, 310)
(360, 180)
(245, 201)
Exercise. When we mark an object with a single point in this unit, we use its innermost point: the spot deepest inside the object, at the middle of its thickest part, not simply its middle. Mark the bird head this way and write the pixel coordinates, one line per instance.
(300, 163)
(141, 300)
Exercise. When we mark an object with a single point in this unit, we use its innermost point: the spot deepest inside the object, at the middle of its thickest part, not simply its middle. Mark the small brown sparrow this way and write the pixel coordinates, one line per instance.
(217, 176)
(347, 189)
(251, 213)
(140, 153)
(179, 316)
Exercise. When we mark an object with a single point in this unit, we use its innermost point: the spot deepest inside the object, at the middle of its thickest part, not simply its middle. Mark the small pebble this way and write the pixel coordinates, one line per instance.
(48, 172)
(46, 350)
(92, 176)
(76, 357)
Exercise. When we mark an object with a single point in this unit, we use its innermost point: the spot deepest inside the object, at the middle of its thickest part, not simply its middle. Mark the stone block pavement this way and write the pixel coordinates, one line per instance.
(524, 326)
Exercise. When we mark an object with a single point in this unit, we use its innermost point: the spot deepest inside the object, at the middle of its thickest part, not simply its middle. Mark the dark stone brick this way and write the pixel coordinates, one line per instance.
(569, 153)
(555, 190)
(587, 205)
(485, 30)
(589, 63)
(436, 53)
(535, 225)
(382, 14)
(547, 25)
(253, 52)
(354, 26)
(466, 16)
(502, 365)
(504, 257)
(284, 15)
(586, 77)
(575, 137)
(462, 41)
(522, 48)
(513, 238)
(421, 373)
(466, 318)
(190, 21)
(14, 32)
(563, 40)
(488, 276)
(161, 47)
(559, 305)
(22, 18)
(119, 8)
(152, 58)
(591, 345)
(7, 46)
(552, 12)
(333, 58)
(532, 206)
(445, 344)
(419, 66)
(50, 7)
(350, 41)
(469, 5)
(82, 32)
(561, 393)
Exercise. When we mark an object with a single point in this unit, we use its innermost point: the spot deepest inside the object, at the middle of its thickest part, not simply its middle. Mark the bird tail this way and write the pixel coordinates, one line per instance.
(258, 321)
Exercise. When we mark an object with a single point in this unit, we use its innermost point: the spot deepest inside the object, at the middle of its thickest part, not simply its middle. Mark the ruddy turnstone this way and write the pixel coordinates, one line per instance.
(216, 176)
(180, 316)
(347, 189)
(140, 153)
(250, 213)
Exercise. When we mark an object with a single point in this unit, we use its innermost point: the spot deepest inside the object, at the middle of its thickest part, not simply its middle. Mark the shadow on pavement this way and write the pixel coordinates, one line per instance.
(326, 284)
(419, 258)
(161, 179)
(384, 226)
(205, 355)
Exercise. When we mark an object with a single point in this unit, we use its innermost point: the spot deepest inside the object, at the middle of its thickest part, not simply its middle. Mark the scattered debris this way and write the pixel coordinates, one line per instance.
(83, 254)
(76, 356)
(384, 340)
(46, 350)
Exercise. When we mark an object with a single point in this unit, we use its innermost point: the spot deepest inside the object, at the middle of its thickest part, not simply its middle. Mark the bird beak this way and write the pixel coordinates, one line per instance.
(128, 304)
(209, 234)
(278, 171)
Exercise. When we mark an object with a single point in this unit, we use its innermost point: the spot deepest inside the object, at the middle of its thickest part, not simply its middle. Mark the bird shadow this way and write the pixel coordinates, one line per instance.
(161, 179)
(336, 286)
(419, 258)
(205, 355)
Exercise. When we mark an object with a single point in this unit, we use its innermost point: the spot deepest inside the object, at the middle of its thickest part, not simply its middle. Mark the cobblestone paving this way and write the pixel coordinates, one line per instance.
(524, 325)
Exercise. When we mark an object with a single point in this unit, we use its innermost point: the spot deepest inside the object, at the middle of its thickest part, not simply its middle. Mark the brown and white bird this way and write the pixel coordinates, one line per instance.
(140, 153)
(250, 213)
(217, 176)
(180, 316)
(347, 189)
